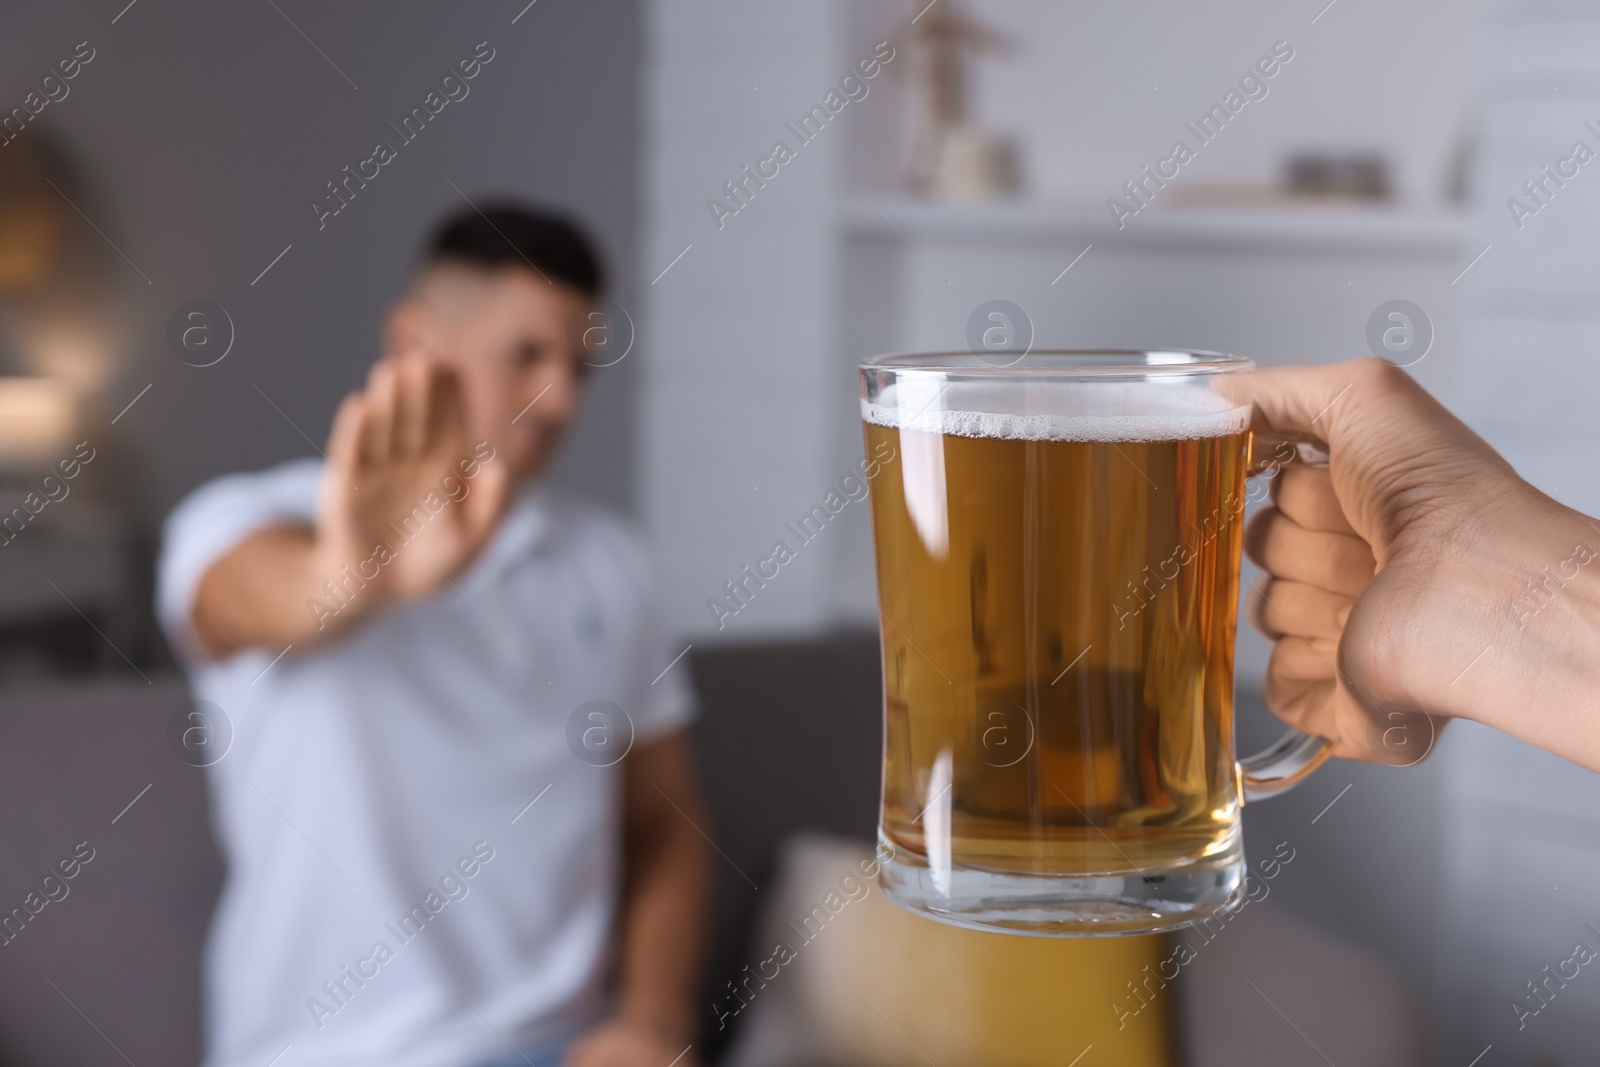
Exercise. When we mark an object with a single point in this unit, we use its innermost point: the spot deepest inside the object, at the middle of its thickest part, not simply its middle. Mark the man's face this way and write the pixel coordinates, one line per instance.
(513, 338)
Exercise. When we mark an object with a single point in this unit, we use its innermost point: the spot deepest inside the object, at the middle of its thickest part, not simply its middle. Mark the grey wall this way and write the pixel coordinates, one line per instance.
(201, 133)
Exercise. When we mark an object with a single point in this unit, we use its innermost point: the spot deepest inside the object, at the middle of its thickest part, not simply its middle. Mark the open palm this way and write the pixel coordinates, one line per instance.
(407, 501)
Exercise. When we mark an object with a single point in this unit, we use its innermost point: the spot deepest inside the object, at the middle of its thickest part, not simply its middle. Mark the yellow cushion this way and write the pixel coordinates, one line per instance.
(875, 985)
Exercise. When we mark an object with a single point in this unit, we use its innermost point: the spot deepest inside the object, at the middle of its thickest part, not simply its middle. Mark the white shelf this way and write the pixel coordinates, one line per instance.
(1388, 231)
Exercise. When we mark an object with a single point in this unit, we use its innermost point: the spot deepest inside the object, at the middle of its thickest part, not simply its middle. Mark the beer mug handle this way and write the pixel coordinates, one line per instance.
(1289, 761)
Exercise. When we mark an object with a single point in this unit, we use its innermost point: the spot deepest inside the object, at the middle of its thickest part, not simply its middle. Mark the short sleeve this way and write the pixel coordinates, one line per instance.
(213, 519)
(664, 700)
(666, 705)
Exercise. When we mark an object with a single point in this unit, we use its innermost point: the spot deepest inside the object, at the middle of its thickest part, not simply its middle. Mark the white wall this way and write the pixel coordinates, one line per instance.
(736, 406)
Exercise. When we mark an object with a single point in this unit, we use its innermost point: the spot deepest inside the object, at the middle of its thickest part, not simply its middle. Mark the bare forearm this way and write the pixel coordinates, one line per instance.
(269, 591)
(665, 889)
(1538, 665)
(664, 930)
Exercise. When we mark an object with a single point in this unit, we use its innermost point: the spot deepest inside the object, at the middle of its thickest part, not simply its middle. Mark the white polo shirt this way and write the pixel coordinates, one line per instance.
(392, 898)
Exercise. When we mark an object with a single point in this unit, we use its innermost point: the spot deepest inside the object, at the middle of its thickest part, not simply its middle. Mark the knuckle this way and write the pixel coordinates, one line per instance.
(1378, 378)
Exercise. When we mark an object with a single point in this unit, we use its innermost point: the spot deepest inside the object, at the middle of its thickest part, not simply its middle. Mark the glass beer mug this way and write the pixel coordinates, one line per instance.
(1058, 545)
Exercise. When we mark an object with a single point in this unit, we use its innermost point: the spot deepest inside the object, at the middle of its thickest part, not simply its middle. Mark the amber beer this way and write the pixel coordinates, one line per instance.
(1069, 653)
(1059, 598)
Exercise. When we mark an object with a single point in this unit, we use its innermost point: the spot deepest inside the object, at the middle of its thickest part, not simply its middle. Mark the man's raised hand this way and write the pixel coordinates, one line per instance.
(408, 500)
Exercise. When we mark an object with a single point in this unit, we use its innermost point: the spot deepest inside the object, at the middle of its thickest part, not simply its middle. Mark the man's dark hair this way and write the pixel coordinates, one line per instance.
(508, 235)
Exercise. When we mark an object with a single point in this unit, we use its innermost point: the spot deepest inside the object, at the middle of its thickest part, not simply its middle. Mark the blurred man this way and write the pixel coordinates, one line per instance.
(432, 665)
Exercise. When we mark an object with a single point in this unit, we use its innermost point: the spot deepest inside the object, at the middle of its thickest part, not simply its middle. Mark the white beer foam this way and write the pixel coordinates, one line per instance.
(1103, 412)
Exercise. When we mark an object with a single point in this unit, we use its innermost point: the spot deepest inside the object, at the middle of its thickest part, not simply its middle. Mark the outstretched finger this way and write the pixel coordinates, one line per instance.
(344, 439)
(411, 408)
(379, 410)
(446, 412)
(491, 491)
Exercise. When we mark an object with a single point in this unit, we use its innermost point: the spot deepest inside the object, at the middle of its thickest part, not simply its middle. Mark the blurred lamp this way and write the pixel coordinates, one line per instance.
(36, 420)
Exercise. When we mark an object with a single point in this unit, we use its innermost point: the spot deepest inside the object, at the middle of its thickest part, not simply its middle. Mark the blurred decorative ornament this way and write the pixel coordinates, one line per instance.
(951, 156)
(972, 164)
(1339, 176)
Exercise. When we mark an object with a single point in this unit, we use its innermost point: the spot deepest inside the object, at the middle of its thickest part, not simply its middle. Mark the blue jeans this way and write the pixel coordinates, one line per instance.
(547, 1057)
